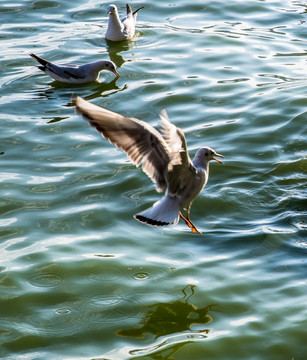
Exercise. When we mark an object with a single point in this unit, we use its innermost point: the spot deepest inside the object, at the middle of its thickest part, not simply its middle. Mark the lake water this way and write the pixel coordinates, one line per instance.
(79, 277)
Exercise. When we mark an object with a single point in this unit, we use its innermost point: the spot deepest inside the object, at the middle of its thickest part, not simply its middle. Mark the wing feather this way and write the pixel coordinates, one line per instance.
(176, 142)
(139, 140)
(66, 72)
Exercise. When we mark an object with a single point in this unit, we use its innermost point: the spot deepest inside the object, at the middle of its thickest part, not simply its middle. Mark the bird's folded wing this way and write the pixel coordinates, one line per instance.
(140, 141)
(66, 72)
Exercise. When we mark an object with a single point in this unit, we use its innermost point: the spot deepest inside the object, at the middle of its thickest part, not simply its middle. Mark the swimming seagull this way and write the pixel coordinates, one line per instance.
(164, 156)
(75, 74)
(121, 29)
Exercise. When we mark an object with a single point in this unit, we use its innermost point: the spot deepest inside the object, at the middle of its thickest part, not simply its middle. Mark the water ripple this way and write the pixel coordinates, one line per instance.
(46, 280)
(168, 342)
(75, 265)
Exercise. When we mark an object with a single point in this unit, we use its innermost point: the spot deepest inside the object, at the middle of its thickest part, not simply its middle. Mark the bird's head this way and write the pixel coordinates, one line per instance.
(112, 9)
(109, 65)
(208, 154)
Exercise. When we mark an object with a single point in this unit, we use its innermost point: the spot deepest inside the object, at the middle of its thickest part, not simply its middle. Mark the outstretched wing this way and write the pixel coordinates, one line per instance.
(140, 141)
(180, 165)
(176, 142)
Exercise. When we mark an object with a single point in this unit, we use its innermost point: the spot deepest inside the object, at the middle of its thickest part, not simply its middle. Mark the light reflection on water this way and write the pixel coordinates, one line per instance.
(79, 277)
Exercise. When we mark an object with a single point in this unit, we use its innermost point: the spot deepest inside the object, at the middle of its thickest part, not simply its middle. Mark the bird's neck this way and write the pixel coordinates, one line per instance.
(96, 66)
(201, 163)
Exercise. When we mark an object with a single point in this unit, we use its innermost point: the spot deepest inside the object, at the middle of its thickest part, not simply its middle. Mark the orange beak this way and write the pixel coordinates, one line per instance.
(116, 73)
(219, 155)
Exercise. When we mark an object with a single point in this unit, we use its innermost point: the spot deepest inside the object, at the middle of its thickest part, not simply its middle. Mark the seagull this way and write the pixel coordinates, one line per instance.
(121, 29)
(164, 157)
(75, 74)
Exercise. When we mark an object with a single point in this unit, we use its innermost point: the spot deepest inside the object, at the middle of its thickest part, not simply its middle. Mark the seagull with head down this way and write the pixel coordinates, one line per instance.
(121, 29)
(164, 157)
(75, 74)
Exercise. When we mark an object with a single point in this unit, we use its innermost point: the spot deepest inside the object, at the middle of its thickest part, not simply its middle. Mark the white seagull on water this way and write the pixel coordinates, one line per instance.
(75, 74)
(121, 29)
(164, 156)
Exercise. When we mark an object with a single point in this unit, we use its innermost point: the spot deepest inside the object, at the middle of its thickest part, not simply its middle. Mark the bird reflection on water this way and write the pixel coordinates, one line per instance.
(171, 317)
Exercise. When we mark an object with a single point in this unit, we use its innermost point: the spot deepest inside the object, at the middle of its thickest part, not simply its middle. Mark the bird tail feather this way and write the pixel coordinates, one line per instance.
(163, 212)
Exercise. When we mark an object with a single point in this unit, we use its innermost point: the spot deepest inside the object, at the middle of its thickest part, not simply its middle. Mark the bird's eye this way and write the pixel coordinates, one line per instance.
(206, 153)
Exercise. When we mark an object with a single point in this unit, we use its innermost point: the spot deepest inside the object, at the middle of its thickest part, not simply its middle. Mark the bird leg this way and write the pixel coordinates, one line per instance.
(194, 229)
(189, 223)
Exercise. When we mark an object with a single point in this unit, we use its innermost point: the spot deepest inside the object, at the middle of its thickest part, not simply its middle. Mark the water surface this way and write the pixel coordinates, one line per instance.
(79, 277)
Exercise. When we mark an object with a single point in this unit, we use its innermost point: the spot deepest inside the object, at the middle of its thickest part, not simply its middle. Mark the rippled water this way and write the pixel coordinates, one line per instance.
(79, 277)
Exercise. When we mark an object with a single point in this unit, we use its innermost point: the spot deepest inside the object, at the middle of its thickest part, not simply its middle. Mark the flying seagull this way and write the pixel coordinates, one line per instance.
(164, 157)
(121, 29)
(75, 74)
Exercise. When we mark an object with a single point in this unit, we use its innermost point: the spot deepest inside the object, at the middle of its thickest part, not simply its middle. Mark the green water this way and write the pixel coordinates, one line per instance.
(79, 277)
